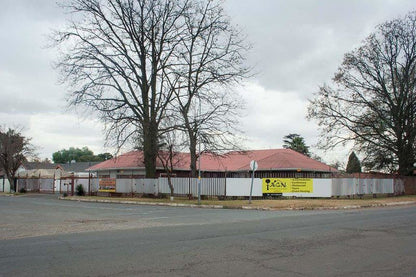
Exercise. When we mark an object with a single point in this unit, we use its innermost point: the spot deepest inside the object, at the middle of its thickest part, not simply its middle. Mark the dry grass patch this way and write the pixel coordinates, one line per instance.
(283, 203)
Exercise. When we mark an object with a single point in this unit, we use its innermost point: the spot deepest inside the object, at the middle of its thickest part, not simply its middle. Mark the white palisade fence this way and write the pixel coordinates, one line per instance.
(240, 187)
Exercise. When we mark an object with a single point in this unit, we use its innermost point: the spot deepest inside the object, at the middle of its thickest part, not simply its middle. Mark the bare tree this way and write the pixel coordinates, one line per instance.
(14, 150)
(372, 101)
(169, 156)
(210, 60)
(115, 58)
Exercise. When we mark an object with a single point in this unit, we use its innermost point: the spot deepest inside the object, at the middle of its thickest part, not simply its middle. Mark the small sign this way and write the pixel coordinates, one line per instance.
(107, 185)
(253, 165)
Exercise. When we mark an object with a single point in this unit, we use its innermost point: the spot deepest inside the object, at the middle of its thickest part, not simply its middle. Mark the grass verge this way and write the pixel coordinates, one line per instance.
(279, 204)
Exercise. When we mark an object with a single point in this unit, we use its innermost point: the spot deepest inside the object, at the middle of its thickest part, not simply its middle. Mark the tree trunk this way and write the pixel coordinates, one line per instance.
(172, 189)
(150, 149)
(12, 183)
(406, 161)
(192, 151)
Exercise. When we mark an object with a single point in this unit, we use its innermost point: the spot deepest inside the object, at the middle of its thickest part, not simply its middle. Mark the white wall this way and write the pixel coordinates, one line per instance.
(125, 185)
(83, 182)
(241, 187)
(6, 187)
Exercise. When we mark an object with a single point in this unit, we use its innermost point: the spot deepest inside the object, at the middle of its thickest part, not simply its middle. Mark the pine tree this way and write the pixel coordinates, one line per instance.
(296, 142)
(354, 165)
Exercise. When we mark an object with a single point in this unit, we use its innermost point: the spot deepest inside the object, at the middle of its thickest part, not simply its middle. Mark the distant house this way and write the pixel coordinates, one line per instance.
(271, 163)
(51, 170)
(78, 169)
(49, 177)
(32, 170)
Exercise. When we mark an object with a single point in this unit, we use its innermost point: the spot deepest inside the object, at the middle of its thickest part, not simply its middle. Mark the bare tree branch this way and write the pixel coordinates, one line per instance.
(372, 101)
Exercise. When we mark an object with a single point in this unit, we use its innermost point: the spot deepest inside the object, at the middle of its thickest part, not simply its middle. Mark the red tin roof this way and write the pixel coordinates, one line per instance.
(268, 160)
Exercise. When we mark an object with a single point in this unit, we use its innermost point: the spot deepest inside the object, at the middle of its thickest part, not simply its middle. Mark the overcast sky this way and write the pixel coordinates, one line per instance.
(297, 46)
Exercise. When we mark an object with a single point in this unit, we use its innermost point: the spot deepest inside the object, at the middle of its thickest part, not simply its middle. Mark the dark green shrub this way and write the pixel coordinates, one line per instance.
(65, 194)
(22, 190)
(80, 190)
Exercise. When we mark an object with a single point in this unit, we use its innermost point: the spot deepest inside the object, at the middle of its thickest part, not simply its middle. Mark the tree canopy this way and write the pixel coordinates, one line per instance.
(372, 99)
(296, 142)
(353, 165)
(212, 61)
(79, 155)
(14, 150)
(136, 61)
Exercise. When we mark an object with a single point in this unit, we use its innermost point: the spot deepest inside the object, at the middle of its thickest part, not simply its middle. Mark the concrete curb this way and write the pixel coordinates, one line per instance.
(12, 195)
(351, 207)
(143, 203)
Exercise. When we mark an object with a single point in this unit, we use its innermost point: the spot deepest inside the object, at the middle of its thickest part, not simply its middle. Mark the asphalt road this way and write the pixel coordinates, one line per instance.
(47, 237)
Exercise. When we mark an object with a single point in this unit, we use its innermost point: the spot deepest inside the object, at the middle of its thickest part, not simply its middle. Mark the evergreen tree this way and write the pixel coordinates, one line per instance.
(297, 143)
(354, 165)
(79, 155)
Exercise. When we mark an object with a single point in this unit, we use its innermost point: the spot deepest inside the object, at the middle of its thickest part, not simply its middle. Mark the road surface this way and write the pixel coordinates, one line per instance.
(43, 236)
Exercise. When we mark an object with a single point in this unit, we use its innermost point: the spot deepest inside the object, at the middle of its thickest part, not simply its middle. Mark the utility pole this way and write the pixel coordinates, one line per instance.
(199, 156)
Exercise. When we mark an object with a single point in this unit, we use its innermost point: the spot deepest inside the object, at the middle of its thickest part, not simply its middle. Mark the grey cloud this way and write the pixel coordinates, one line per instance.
(299, 44)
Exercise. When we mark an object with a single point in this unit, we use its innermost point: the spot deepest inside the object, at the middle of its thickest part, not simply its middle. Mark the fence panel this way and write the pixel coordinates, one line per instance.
(386, 186)
(400, 185)
(241, 187)
(344, 186)
(353, 186)
(182, 186)
(146, 186)
(4, 184)
(213, 186)
(46, 185)
(125, 185)
(95, 184)
(32, 185)
(189, 186)
(82, 181)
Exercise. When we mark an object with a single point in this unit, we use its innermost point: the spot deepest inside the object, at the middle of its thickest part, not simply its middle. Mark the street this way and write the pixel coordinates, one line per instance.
(43, 236)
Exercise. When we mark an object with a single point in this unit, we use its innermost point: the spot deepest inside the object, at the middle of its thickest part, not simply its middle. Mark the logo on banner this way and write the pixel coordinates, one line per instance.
(286, 185)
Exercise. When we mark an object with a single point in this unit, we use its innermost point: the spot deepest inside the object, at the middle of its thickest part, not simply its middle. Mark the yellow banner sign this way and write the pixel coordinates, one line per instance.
(287, 185)
(107, 185)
